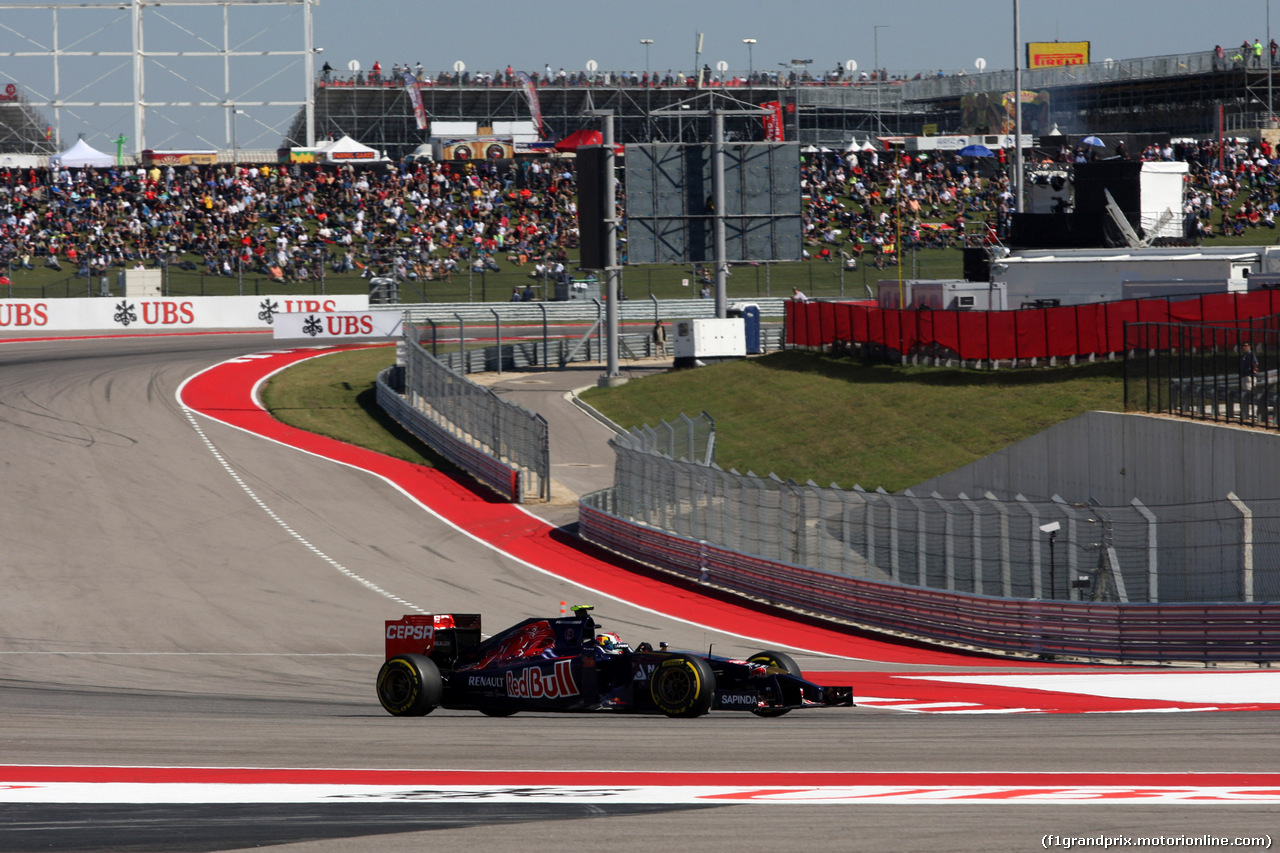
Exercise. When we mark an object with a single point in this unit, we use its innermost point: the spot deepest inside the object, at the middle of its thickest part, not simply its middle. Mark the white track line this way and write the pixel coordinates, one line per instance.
(257, 401)
(222, 460)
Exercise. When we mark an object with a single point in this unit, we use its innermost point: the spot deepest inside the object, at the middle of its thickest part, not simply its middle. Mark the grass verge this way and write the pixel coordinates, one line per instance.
(334, 395)
(799, 415)
(805, 416)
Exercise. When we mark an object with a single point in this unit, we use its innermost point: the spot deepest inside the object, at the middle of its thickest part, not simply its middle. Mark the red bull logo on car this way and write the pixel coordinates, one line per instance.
(533, 683)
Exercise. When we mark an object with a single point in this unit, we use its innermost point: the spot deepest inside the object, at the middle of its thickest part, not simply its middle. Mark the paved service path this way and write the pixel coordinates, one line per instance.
(181, 593)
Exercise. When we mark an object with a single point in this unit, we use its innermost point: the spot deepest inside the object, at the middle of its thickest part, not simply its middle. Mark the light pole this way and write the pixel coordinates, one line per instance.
(646, 43)
(876, 34)
(1017, 107)
(1052, 529)
(750, 43)
(235, 152)
(648, 90)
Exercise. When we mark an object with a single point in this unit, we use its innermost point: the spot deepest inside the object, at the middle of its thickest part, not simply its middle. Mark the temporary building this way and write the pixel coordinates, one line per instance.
(81, 155)
(347, 150)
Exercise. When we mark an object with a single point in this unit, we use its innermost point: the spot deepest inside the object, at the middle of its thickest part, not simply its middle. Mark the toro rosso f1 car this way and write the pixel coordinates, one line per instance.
(566, 664)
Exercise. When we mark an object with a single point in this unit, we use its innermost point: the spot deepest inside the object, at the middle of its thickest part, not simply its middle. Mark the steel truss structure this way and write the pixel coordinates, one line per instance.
(228, 51)
(1185, 94)
(382, 116)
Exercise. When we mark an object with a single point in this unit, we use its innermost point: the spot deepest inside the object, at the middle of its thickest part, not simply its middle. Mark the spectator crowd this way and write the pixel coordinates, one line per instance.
(866, 206)
(419, 222)
(424, 221)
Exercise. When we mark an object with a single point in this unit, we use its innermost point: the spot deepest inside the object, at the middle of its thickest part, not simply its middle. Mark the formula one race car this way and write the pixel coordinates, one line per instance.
(566, 664)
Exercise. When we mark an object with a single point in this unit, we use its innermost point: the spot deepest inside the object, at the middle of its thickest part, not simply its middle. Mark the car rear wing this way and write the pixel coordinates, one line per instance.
(419, 633)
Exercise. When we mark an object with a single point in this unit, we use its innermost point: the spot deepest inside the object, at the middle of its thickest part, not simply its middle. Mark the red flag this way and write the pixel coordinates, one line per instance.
(773, 121)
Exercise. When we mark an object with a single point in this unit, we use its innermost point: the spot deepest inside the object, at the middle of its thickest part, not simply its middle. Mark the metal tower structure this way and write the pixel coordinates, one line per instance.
(188, 64)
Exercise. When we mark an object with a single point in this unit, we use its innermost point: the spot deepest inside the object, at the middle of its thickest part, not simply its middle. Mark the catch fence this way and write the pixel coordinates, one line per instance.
(993, 545)
(503, 444)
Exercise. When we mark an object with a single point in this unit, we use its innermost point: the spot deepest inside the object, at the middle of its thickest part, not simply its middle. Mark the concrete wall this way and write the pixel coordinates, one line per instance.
(1114, 457)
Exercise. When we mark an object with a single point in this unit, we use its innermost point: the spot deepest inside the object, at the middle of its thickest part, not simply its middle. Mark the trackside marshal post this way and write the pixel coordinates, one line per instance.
(313, 325)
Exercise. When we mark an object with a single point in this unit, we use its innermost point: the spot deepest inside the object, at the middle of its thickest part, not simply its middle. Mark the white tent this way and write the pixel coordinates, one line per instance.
(79, 156)
(347, 150)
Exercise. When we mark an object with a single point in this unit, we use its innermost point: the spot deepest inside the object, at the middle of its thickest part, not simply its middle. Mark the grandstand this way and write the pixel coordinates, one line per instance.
(23, 130)
(1175, 95)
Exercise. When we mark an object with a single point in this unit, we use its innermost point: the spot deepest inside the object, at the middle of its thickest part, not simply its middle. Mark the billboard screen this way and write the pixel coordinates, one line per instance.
(1052, 54)
(670, 215)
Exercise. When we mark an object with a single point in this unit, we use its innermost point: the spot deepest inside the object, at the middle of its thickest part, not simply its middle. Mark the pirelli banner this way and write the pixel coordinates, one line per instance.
(1052, 54)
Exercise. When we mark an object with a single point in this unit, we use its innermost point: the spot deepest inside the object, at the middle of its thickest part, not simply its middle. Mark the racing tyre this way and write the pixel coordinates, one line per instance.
(783, 662)
(683, 686)
(410, 686)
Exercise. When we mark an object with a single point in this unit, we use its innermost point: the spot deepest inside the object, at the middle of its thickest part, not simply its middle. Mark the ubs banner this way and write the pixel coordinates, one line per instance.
(352, 324)
(132, 313)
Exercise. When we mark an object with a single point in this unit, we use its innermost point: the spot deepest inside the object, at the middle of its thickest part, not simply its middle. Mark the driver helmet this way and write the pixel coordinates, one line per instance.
(610, 643)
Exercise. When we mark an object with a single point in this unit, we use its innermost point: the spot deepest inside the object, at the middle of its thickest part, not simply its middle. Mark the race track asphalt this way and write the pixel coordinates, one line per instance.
(180, 593)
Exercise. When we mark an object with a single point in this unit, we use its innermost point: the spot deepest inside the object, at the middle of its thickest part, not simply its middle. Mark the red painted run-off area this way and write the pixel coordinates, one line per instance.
(225, 393)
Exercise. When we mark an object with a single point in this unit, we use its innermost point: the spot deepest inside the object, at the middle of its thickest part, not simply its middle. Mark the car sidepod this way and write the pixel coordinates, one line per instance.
(548, 684)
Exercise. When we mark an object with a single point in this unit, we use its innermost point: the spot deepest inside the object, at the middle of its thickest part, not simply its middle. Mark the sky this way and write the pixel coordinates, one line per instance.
(910, 36)
(915, 34)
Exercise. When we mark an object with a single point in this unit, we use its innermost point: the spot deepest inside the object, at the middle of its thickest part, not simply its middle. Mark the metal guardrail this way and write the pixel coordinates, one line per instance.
(498, 475)
(554, 353)
(1166, 633)
(1223, 550)
(1106, 71)
(577, 311)
(1222, 398)
(504, 445)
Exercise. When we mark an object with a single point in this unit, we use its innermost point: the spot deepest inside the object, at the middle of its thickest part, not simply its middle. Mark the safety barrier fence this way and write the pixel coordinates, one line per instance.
(1200, 371)
(1027, 336)
(503, 445)
(906, 84)
(686, 438)
(1205, 633)
(501, 477)
(532, 335)
(1191, 581)
(1218, 550)
(574, 311)
(551, 353)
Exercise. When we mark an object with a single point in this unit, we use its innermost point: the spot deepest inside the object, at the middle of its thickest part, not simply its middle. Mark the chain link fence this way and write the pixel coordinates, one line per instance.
(479, 418)
(1008, 546)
